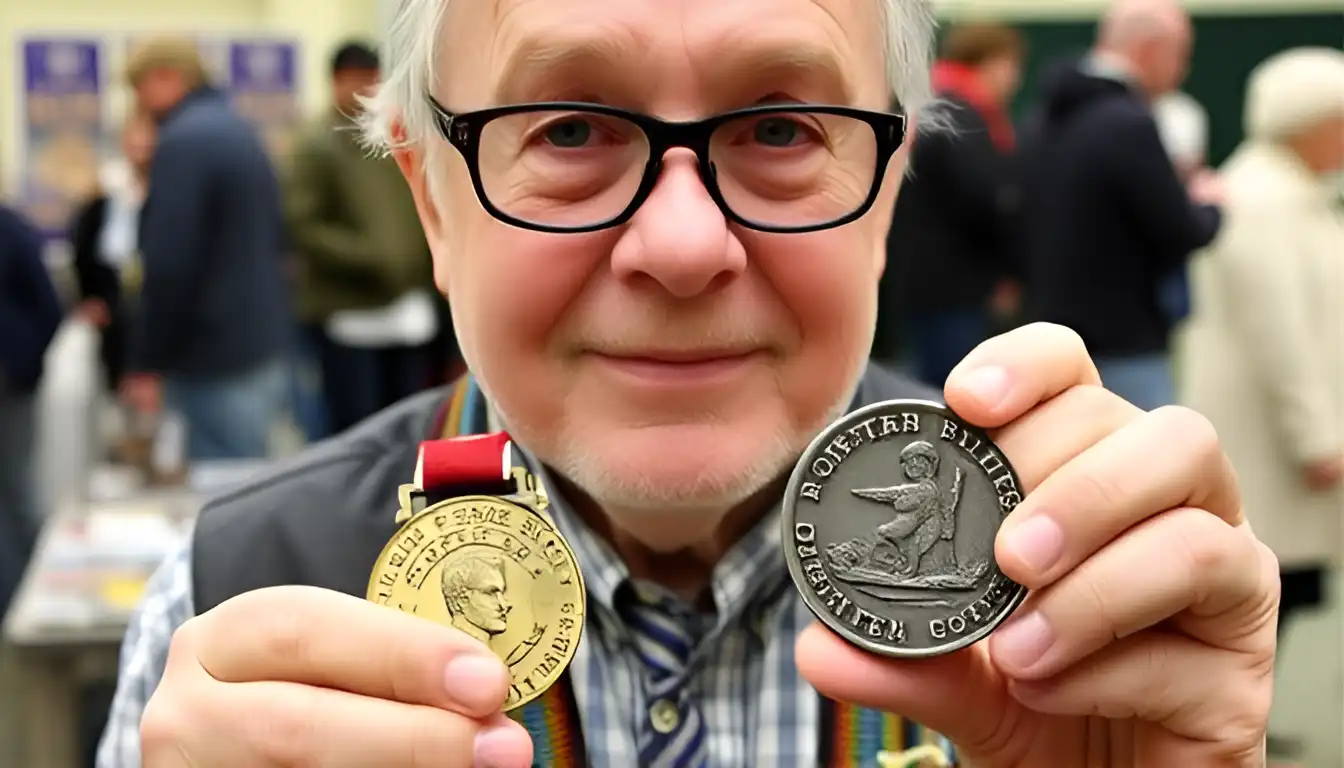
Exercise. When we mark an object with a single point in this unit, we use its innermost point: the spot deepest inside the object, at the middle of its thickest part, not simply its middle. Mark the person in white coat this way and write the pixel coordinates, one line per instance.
(1263, 352)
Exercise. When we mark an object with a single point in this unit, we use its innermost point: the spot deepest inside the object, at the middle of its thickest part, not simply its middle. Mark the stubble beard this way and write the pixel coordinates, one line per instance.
(710, 495)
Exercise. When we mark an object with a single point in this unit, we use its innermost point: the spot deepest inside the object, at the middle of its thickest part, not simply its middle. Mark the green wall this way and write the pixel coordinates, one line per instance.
(1227, 48)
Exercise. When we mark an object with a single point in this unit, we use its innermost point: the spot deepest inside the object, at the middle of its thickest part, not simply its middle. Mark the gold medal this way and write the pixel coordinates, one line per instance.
(493, 567)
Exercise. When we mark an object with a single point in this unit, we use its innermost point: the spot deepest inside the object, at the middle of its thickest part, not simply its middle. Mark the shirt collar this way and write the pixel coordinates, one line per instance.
(747, 577)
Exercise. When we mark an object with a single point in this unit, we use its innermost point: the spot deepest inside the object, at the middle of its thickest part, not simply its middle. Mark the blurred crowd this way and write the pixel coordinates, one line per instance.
(237, 292)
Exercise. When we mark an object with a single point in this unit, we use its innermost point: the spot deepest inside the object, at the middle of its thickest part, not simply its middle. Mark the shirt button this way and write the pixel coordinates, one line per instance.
(664, 716)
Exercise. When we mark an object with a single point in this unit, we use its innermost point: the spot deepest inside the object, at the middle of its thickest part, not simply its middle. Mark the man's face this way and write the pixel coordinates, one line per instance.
(158, 91)
(1166, 58)
(485, 605)
(348, 84)
(1002, 76)
(677, 362)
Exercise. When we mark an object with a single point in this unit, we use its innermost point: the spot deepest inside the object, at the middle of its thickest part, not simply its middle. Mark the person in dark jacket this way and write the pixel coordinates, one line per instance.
(950, 250)
(30, 314)
(103, 237)
(1107, 220)
(213, 316)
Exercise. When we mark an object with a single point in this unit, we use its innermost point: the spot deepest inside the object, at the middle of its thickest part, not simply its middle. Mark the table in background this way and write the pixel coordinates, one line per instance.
(87, 573)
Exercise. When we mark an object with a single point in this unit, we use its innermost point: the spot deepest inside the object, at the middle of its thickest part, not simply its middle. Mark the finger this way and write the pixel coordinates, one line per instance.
(1007, 375)
(1161, 460)
(1050, 435)
(1213, 704)
(324, 638)
(1182, 559)
(959, 695)
(287, 724)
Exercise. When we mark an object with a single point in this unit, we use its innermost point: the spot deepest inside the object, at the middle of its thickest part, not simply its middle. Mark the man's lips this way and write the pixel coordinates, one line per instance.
(678, 365)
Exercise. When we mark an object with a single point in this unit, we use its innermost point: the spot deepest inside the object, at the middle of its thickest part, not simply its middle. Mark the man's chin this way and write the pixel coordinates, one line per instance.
(676, 468)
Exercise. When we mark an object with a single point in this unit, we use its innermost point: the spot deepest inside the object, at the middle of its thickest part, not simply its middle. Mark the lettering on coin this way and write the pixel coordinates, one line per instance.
(890, 518)
(497, 572)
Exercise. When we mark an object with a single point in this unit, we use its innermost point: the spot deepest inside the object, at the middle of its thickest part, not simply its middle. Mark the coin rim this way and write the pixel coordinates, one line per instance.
(788, 518)
(369, 593)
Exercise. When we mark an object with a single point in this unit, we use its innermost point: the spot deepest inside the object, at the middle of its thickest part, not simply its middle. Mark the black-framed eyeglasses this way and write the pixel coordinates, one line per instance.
(569, 167)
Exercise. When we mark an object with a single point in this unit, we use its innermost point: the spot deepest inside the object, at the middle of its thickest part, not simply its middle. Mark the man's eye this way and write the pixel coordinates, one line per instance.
(777, 131)
(569, 134)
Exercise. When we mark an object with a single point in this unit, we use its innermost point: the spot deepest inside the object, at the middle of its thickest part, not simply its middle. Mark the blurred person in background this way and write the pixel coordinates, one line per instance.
(104, 237)
(210, 334)
(950, 249)
(1183, 124)
(1263, 352)
(366, 285)
(30, 314)
(1107, 218)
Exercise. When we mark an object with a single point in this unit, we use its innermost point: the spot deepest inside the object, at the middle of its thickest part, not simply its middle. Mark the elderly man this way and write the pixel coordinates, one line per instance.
(665, 288)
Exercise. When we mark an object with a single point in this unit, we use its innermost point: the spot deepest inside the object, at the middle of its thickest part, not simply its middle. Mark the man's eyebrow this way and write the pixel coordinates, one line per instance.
(766, 63)
(539, 59)
(759, 63)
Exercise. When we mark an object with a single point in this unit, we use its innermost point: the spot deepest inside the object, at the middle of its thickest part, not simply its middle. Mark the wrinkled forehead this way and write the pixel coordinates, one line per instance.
(662, 56)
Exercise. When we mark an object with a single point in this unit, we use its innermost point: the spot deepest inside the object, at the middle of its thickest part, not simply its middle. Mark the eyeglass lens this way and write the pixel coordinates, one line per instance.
(575, 169)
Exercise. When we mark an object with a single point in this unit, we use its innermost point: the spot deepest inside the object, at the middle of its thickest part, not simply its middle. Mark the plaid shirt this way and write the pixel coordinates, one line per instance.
(759, 711)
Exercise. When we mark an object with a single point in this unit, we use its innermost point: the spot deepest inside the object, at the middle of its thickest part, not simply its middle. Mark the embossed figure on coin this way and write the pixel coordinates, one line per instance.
(925, 514)
(889, 520)
(475, 591)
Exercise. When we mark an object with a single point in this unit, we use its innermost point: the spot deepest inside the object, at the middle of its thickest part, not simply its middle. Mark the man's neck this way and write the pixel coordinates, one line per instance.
(471, 629)
(686, 572)
(1106, 62)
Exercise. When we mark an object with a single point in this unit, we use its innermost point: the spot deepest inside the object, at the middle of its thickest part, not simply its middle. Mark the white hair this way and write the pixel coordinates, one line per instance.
(1292, 91)
(411, 46)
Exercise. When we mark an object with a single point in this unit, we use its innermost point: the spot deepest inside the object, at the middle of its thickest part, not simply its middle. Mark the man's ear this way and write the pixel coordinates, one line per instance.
(411, 160)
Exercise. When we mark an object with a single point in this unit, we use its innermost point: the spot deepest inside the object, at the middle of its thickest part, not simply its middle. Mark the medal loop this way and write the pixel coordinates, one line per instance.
(468, 466)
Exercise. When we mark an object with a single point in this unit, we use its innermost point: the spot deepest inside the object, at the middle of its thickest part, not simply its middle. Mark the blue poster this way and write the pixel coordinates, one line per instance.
(263, 82)
(62, 129)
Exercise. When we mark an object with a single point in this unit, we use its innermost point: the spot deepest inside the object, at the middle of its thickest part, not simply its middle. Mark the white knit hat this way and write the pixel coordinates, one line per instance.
(1293, 90)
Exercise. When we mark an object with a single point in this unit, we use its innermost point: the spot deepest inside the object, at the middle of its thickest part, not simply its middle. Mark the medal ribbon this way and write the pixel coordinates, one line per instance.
(464, 462)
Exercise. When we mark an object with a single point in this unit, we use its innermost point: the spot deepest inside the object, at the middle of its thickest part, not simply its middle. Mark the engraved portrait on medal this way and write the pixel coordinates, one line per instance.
(889, 524)
(498, 572)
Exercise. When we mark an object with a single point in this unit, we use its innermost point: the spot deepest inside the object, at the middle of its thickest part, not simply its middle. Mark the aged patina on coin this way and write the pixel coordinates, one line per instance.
(889, 523)
(496, 570)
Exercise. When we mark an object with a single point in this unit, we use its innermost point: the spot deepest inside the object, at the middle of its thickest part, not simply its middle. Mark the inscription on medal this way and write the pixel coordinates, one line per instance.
(891, 516)
(497, 572)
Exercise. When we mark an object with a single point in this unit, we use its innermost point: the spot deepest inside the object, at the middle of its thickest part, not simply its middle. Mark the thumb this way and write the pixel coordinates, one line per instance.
(959, 695)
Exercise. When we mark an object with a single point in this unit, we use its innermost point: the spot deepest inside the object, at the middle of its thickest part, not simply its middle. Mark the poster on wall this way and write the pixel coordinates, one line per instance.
(264, 87)
(62, 128)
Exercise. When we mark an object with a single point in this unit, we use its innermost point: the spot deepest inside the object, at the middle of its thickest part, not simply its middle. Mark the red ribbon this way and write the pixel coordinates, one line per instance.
(473, 461)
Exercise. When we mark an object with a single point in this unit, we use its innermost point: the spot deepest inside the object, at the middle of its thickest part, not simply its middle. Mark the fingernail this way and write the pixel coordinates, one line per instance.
(497, 747)
(475, 682)
(989, 385)
(1021, 642)
(1037, 541)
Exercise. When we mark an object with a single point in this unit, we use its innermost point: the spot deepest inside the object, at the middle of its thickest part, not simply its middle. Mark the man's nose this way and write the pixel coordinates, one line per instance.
(679, 237)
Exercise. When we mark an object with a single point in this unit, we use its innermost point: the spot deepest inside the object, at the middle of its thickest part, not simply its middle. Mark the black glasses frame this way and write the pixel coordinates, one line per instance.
(463, 131)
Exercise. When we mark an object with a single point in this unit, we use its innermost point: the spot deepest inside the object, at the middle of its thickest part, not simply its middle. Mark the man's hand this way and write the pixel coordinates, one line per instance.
(1206, 188)
(1148, 635)
(94, 312)
(142, 392)
(1324, 474)
(298, 676)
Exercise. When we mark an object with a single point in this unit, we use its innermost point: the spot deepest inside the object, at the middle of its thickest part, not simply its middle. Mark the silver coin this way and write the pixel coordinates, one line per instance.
(889, 522)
